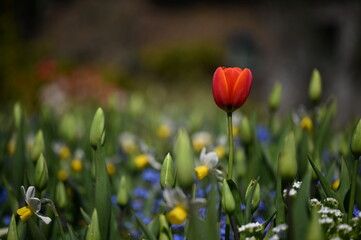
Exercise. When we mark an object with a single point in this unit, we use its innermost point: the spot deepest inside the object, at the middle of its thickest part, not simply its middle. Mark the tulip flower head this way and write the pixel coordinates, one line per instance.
(231, 87)
(33, 206)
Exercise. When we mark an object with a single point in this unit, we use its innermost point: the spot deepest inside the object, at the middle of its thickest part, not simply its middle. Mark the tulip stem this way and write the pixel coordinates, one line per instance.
(230, 142)
(353, 190)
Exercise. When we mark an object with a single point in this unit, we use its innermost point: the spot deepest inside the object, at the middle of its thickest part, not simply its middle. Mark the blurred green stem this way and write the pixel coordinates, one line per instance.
(230, 141)
(353, 190)
(52, 205)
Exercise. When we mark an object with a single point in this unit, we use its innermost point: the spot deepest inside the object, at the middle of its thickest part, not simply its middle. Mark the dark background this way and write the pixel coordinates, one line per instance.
(131, 45)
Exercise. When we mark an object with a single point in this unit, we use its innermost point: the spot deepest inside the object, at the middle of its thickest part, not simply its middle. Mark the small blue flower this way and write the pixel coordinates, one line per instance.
(114, 200)
(6, 220)
(263, 134)
(136, 205)
(3, 195)
(140, 192)
(356, 211)
(150, 175)
(178, 237)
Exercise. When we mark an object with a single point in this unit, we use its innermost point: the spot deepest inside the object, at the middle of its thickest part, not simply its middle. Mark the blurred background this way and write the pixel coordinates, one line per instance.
(82, 51)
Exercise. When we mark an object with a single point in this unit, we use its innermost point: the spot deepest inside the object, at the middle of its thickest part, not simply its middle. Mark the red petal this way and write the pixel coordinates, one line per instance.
(220, 88)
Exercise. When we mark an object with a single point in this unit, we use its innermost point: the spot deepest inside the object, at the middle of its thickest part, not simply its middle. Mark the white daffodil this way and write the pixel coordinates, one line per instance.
(33, 206)
(178, 205)
(208, 162)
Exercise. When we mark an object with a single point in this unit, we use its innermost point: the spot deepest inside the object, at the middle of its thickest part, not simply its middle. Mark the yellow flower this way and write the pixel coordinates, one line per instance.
(201, 172)
(336, 184)
(220, 150)
(141, 160)
(62, 175)
(110, 168)
(163, 131)
(64, 152)
(76, 165)
(306, 124)
(127, 142)
(177, 215)
(25, 213)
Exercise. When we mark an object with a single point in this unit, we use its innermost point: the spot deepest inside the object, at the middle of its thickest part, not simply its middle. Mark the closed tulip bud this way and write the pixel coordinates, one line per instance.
(275, 97)
(228, 202)
(68, 126)
(245, 131)
(356, 141)
(93, 229)
(60, 196)
(18, 114)
(167, 173)
(287, 161)
(41, 174)
(184, 160)
(97, 129)
(231, 87)
(256, 194)
(12, 231)
(315, 88)
(123, 193)
(38, 146)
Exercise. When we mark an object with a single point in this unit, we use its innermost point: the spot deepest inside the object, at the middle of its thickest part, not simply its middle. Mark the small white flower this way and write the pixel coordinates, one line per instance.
(345, 228)
(251, 227)
(297, 185)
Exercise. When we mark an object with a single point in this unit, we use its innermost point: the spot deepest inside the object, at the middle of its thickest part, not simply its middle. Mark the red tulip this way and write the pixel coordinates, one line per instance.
(231, 87)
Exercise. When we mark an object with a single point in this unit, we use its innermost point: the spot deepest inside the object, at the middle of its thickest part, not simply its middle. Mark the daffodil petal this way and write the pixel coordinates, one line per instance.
(45, 219)
(34, 204)
(30, 192)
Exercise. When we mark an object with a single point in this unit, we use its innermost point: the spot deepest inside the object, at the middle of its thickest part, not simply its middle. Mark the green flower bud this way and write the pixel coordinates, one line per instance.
(287, 161)
(68, 127)
(18, 114)
(60, 196)
(93, 229)
(12, 231)
(167, 172)
(38, 146)
(356, 141)
(123, 193)
(315, 87)
(228, 202)
(184, 160)
(245, 131)
(41, 174)
(256, 194)
(97, 129)
(275, 97)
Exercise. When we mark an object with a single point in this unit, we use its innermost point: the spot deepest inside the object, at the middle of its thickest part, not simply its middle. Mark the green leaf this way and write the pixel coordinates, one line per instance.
(325, 185)
(12, 232)
(148, 234)
(154, 226)
(72, 235)
(211, 221)
(280, 205)
(300, 209)
(85, 216)
(345, 182)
